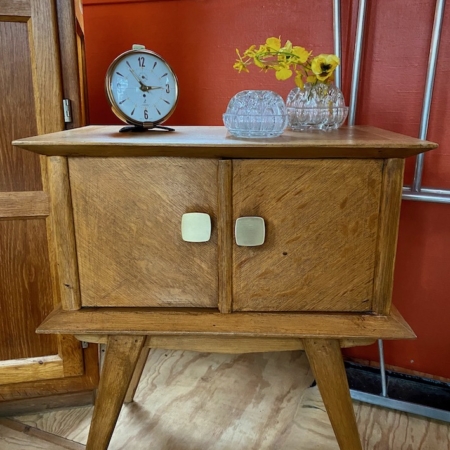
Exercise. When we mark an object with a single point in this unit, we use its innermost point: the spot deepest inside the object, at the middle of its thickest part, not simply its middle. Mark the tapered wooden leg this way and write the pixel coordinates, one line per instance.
(137, 375)
(122, 354)
(326, 361)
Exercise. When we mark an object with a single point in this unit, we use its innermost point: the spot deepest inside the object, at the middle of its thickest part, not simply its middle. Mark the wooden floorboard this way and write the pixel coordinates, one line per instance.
(15, 435)
(201, 401)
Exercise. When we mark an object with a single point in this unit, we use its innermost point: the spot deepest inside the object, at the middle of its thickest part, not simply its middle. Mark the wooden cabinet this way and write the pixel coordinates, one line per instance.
(321, 219)
(36, 372)
(321, 278)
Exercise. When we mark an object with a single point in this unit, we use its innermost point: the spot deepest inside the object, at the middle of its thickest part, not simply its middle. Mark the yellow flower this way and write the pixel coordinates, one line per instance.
(287, 59)
(240, 66)
(323, 66)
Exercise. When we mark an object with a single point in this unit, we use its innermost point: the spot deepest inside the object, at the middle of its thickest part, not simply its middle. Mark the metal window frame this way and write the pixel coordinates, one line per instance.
(415, 192)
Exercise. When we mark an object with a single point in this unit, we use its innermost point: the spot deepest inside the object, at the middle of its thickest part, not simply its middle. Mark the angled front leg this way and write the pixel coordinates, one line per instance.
(122, 354)
(326, 362)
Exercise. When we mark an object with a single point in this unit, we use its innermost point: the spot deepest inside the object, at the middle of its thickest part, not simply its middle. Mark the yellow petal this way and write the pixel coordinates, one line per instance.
(258, 63)
(273, 43)
(283, 73)
(301, 53)
(299, 80)
(311, 79)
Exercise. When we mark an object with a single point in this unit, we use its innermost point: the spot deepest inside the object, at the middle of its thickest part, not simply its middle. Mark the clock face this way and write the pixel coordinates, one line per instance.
(141, 88)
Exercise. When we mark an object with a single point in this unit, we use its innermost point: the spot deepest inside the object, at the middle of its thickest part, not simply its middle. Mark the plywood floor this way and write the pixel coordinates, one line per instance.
(199, 401)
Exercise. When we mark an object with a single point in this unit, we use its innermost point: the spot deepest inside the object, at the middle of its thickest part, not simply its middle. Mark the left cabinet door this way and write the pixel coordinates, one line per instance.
(36, 371)
(127, 215)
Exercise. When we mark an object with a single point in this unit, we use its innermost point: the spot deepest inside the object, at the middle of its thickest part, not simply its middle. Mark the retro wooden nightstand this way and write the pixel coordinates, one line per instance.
(295, 248)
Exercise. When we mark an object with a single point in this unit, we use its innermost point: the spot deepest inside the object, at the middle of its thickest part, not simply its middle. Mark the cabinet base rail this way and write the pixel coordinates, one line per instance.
(145, 321)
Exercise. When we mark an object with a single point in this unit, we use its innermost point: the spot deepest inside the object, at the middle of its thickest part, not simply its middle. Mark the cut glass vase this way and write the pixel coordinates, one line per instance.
(316, 107)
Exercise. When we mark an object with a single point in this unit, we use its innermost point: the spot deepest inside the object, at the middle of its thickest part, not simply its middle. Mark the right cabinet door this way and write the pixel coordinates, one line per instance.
(321, 219)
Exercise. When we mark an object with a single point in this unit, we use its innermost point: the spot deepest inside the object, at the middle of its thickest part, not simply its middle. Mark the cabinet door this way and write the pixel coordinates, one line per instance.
(31, 366)
(127, 214)
(321, 220)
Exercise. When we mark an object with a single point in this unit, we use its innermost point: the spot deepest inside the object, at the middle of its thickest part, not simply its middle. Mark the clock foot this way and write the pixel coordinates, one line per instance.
(139, 129)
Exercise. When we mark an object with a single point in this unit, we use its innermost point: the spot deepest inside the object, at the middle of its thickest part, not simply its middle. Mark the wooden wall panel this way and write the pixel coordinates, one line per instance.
(25, 289)
(19, 170)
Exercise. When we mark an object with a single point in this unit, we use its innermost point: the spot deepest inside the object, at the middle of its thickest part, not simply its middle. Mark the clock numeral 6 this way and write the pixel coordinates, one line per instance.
(145, 114)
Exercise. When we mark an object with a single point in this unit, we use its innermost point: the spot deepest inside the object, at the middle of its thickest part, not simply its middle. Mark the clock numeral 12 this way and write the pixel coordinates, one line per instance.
(141, 60)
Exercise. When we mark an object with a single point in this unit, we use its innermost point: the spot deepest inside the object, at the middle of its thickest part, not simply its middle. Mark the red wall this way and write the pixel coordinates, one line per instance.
(198, 38)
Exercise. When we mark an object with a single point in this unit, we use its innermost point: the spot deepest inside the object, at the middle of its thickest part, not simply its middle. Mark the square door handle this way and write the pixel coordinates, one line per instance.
(250, 231)
(196, 227)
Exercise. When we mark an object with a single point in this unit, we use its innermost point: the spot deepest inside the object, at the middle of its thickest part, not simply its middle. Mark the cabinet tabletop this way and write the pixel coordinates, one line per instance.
(215, 142)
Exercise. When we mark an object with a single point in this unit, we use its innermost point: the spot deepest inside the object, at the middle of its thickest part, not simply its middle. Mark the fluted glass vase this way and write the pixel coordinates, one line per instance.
(256, 114)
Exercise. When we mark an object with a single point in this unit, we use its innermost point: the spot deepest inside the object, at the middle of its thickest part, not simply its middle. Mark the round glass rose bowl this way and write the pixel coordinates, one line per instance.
(256, 114)
(316, 107)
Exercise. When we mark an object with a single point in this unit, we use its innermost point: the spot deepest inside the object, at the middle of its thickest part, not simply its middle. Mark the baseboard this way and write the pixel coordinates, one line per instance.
(403, 387)
(40, 404)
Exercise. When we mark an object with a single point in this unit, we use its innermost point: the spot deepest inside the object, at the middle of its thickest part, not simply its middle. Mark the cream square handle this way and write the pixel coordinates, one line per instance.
(196, 227)
(250, 231)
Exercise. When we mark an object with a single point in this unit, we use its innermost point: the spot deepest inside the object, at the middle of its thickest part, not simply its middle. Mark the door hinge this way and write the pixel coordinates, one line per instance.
(67, 109)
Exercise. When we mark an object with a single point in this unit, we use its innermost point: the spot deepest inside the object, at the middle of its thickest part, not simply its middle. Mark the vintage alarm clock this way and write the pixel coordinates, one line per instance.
(142, 89)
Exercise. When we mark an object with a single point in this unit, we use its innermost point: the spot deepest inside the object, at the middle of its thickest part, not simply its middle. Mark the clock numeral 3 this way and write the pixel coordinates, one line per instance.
(167, 88)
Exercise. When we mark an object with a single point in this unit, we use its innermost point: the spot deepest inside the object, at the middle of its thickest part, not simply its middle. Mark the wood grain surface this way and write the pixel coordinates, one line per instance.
(128, 231)
(212, 142)
(25, 289)
(19, 170)
(389, 218)
(225, 236)
(221, 344)
(53, 393)
(137, 374)
(326, 362)
(31, 369)
(321, 232)
(201, 401)
(31, 104)
(209, 322)
(63, 233)
(21, 205)
(72, 73)
(122, 354)
(14, 434)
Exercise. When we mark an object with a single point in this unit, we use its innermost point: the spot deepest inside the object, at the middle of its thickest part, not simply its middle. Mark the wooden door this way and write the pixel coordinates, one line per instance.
(31, 94)
(321, 221)
(127, 214)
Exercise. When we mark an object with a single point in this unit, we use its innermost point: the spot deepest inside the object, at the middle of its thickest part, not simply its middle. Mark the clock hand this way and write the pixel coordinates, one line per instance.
(151, 88)
(143, 86)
